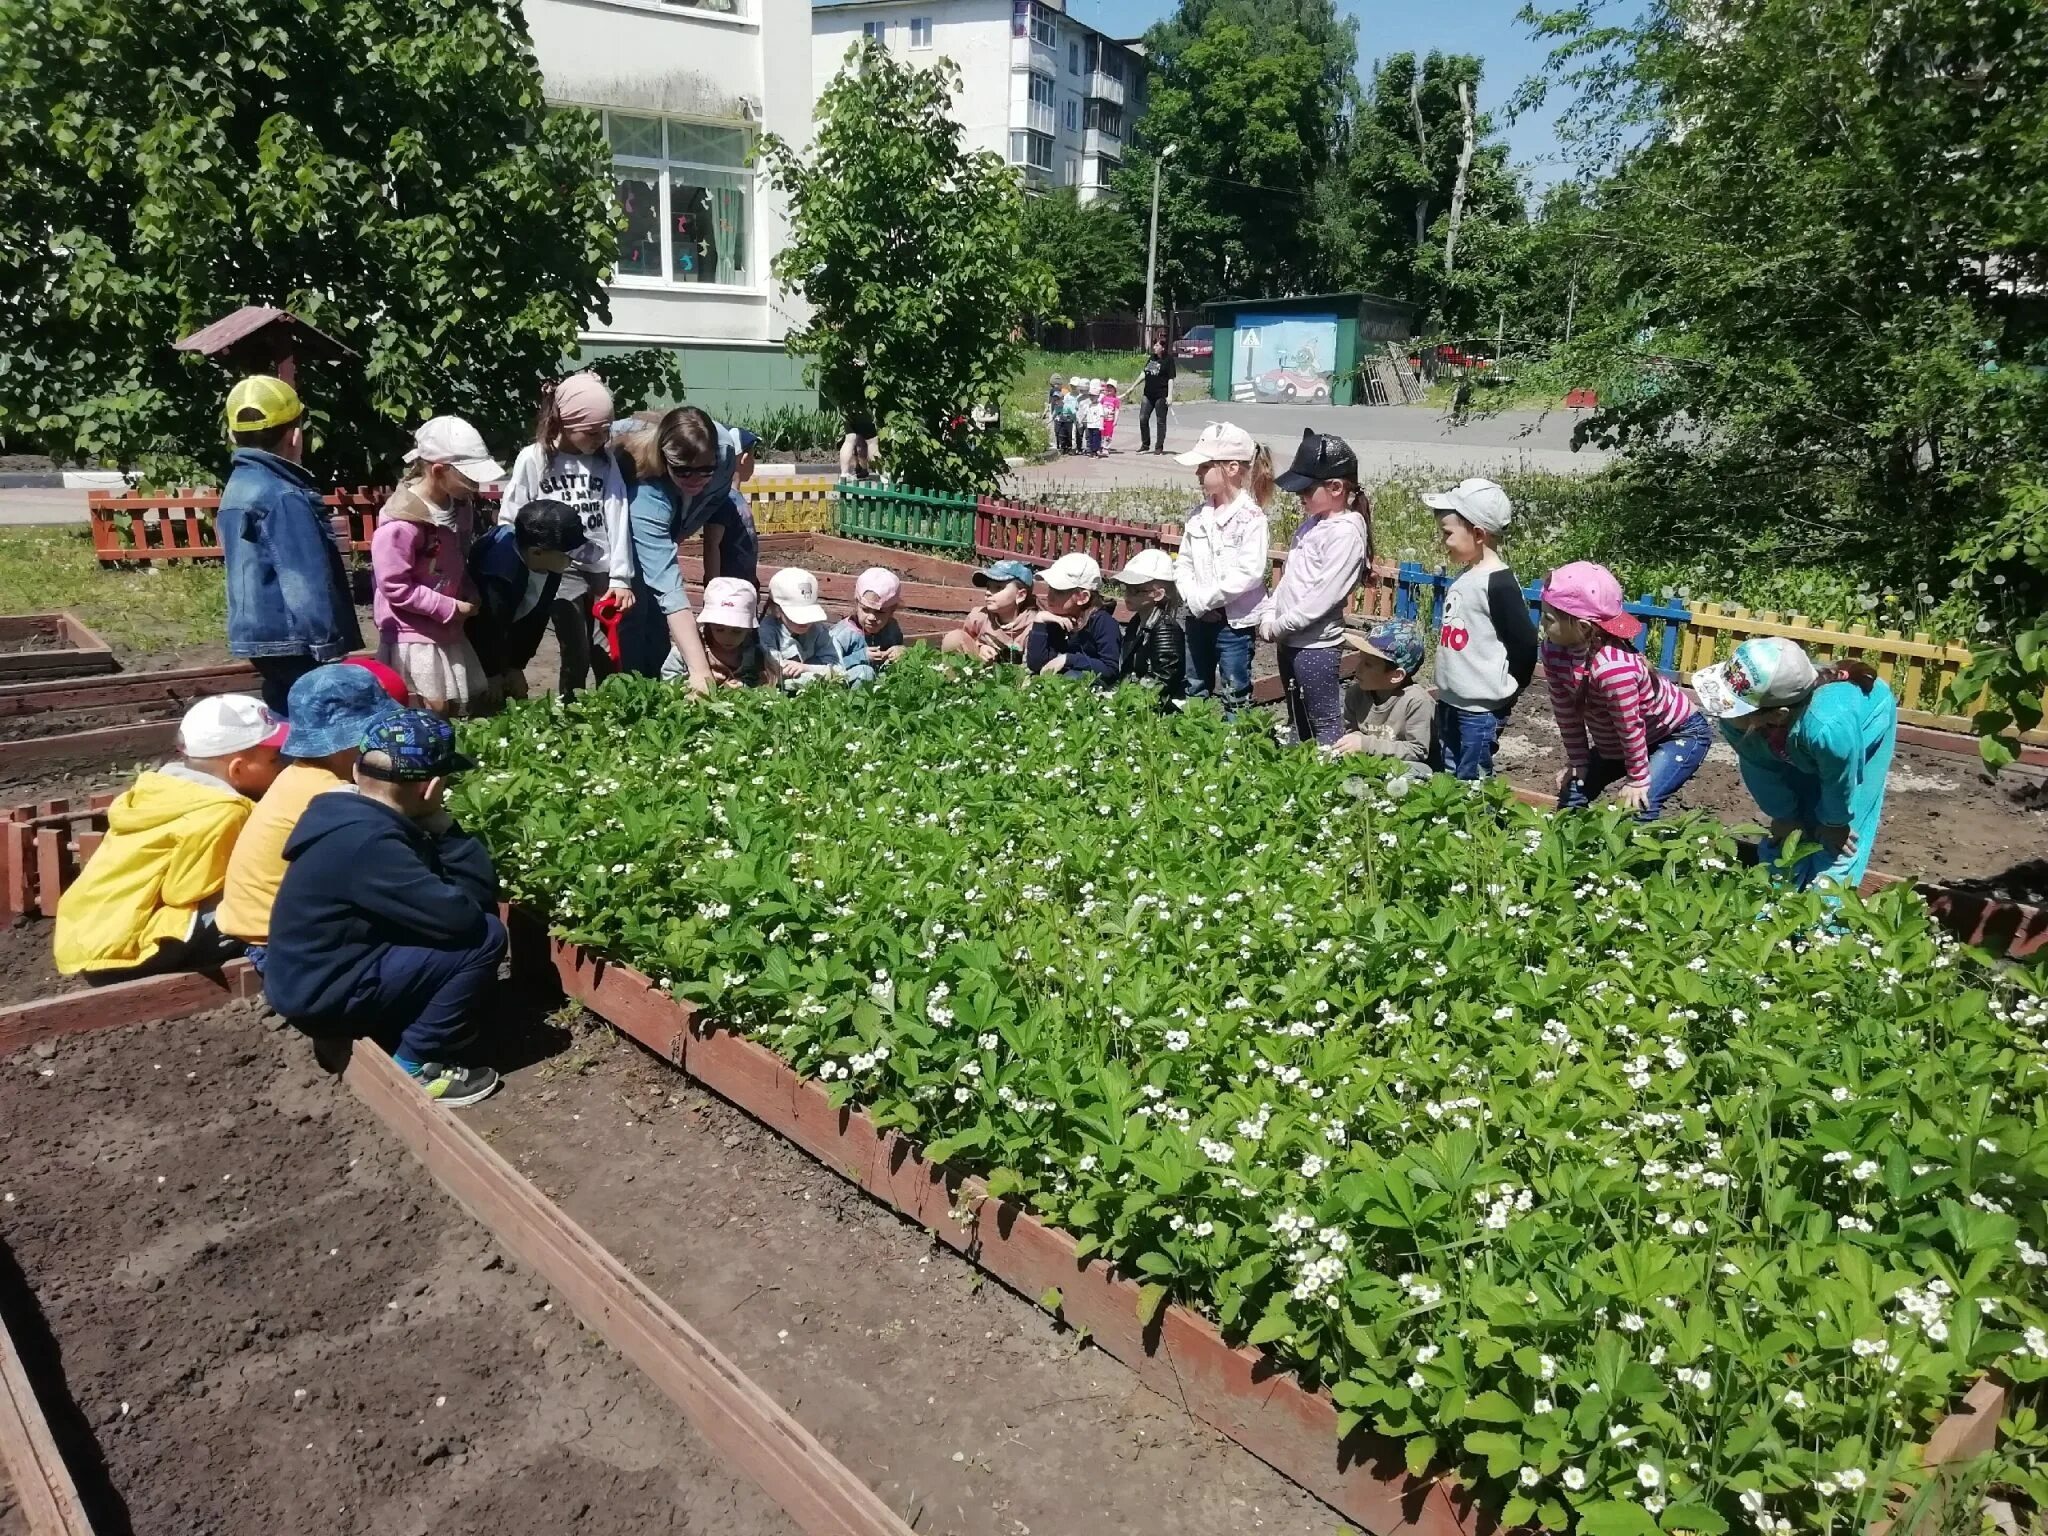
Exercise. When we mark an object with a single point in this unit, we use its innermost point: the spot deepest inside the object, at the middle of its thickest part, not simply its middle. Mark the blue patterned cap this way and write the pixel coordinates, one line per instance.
(416, 744)
(1395, 641)
(1005, 570)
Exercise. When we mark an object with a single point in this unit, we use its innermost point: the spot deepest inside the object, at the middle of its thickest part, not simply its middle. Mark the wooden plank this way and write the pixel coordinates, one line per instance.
(50, 870)
(177, 686)
(42, 1483)
(739, 1420)
(175, 995)
(149, 738)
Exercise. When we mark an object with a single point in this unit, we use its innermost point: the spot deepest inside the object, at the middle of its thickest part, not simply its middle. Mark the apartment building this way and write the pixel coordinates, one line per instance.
(1050, 94)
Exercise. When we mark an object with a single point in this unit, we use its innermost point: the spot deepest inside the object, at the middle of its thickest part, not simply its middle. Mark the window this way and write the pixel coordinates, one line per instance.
(1073, 58)
(1073, 114)
(1032, 149)
(1041, 90)
(875, 32)
(1067, 172)
(688, 198)
(1029, 18)
(1107, 116)
(920, 31)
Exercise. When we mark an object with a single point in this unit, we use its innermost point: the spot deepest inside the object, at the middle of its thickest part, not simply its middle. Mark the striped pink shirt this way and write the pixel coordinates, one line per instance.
(1611, 696)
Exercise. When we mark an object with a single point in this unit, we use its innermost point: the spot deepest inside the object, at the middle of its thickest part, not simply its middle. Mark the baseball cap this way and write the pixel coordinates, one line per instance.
(451, 440)
(729, 600)
(332, 707)
(1147, 565)
(387, 678)
(226, 724)
(1395, 641)
(1766, 673)
(1005, 570)
(1221, 442)
(1318, 457)
(1071, 571)
(1077, 381)
(416, 745)
(1480, 502)
(262, 400)
(749, 440)
(1590, 592)
(795, 592)
(883, 585)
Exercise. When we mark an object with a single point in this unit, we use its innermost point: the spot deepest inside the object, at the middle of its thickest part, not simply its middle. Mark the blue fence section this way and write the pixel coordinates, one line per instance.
(1420, 599)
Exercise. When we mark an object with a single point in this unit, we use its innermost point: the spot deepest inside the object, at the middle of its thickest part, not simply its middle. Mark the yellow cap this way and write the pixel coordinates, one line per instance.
(262, 400)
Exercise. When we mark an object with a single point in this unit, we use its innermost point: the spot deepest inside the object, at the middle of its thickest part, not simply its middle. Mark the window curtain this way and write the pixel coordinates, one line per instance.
(729, 232)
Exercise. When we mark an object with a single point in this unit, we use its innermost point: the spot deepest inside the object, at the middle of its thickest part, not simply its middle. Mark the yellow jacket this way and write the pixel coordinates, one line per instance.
(164, 858)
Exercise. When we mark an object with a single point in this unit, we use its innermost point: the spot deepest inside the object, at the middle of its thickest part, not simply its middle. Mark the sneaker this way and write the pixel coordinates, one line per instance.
(455, 1086)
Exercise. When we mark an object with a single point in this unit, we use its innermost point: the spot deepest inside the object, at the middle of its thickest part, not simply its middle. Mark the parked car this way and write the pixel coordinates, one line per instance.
(1291, 384)
(1196, 345)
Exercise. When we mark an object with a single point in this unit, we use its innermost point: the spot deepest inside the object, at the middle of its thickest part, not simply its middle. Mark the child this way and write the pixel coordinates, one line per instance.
(877, 593)
(423, 590)
(1091, 417)
(1074, 633)
(570, 460)
(1386, 709)
(1111, 404)
(731, 546)
(144, 901)
(996, 630)
(386, 922)
(1306, 617)
(1486, 648)
(289, 607)
(1052, 413)
(1223, 561)
(1154, 646)
(1618, 717)
(728, 626)
(517, 571)
(1070, 413)
(796, 636)
(331, 709)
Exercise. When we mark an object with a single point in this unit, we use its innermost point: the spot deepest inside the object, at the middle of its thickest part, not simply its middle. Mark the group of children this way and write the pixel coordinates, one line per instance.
(1082, 414)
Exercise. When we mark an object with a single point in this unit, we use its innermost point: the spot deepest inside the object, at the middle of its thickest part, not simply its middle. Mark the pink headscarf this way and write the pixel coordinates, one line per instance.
(583, 403)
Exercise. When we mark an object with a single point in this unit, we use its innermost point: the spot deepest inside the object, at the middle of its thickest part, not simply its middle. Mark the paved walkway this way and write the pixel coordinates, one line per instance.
(35, 504)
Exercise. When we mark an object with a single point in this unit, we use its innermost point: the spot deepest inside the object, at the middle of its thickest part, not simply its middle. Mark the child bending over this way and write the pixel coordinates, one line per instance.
(1387, 711)
(518, 571)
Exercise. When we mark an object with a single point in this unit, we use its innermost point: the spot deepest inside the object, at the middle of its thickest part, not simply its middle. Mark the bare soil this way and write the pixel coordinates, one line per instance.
(969, 1409)
(269, 1318)
(27, 971)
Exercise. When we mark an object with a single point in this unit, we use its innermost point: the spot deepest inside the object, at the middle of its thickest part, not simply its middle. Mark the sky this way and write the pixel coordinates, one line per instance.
(1484, 27)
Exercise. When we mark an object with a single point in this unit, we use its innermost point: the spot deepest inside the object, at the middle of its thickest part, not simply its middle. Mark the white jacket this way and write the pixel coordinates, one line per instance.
(1225, 555)
(592, 484)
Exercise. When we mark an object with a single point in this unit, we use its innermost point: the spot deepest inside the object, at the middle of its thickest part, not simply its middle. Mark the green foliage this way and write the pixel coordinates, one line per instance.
(2007, 563)
(141, 611)
(793, 429)
(1562, 1148)
(1093, 251)
(388, 172)
(909, 250)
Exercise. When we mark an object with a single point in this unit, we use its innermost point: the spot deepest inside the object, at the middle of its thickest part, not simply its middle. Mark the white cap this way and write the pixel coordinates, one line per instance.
(795, 592)
(226, 724)
(729, 600)
(1071, 571)
(1221, 442)
(451, 440)
(1095, 384)
(1480, 502)
(1077, 381)
(1147, 565)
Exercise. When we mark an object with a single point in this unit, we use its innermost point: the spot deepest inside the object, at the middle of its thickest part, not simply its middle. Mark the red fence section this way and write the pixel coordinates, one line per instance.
(179, 525)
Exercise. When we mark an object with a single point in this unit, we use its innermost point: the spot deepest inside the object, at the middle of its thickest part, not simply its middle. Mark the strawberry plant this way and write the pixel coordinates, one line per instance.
(1566, 1151)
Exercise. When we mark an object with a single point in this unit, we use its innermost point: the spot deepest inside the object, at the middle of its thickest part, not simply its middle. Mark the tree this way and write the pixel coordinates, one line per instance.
(388, 171)
(1093, 252)
(911, 253)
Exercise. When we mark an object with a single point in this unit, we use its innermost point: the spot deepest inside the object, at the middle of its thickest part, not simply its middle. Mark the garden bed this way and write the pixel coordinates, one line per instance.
(43, 645)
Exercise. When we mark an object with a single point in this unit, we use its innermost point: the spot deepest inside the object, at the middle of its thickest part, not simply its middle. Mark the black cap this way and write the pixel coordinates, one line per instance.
(1320, 457)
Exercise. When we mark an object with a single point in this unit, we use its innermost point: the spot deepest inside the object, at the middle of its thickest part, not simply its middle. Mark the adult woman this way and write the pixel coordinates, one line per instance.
(1306, 616)
(1158, 388)
(683, 473)
(1815, 747)
(1221, 568)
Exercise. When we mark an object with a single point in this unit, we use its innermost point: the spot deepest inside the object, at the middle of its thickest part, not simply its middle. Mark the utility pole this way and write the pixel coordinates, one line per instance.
(1152, 244)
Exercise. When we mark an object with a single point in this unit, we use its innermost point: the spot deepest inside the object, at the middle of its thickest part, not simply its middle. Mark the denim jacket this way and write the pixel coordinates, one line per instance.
(288, 592)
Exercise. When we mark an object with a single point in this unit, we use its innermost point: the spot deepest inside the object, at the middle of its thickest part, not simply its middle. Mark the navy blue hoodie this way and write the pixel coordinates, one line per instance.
(360, 878)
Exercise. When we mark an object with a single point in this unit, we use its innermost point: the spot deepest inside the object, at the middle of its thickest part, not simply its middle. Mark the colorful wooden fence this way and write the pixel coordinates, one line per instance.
(887, 514)
(179, 525)
(44, 849)
(791, 505)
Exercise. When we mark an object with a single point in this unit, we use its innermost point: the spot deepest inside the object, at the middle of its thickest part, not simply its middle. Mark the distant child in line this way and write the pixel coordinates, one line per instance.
(1070, 415)
(418, 556)
(1111, 404)
(145, 900)
(571, 460)
(289, 606)
(1620, 719)
(728, 622)
(1486, 648)
(796, 635)
(331, 709)
(1387, 710)
(1074, 633)
(1224, 560)
(386, 922)
(1306, 616)
(997, 629)
(731, 546)
(517, 570)
(1091, 418)
(877, 594)
(1052, 414)
(1155, 648)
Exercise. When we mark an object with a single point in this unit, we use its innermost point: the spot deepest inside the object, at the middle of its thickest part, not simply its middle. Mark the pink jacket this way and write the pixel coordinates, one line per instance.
(420, 572)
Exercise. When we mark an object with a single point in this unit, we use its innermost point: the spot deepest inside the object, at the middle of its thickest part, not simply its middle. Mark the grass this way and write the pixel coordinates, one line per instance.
(158, 607)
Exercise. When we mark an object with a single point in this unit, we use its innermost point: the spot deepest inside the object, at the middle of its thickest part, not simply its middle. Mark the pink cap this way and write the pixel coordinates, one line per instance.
(1590, 592)
(728, 600)
(880, 584)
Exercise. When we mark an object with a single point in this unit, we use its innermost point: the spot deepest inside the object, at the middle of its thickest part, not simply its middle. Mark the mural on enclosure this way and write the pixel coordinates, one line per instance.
(1284, 358)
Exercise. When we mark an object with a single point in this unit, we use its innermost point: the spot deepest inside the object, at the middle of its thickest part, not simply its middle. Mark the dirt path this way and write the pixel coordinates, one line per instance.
(272, 1321)
(947, 1394)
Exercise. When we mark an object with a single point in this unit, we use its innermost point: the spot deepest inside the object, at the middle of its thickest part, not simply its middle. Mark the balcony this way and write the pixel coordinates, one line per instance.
(1102, 141)
(1106, 87)
(1038, 117)
(1029, 53)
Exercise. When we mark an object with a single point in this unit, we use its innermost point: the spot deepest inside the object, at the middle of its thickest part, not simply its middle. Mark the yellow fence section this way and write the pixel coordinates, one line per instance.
(1918, 668)
(791, 506)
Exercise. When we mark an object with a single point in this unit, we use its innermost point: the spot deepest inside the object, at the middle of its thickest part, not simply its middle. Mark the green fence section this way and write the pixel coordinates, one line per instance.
(919, 519)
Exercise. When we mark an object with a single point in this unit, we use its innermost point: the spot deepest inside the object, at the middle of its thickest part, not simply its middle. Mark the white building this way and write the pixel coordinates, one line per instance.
(1049, 94)
(685, 88)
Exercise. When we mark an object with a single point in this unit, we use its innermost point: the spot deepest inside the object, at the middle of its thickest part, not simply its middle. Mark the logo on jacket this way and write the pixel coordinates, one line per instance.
(1456, 639)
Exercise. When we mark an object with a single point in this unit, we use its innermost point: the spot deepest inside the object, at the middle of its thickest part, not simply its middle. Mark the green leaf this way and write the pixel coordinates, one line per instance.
(1052, 1300)
(1151, 1298)
(1616, 1517)
(1694, 1517)
(1420, 1452)
(1493, 1408)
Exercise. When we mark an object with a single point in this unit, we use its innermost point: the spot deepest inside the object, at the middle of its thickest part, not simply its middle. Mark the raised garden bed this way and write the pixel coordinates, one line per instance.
(35, 646)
